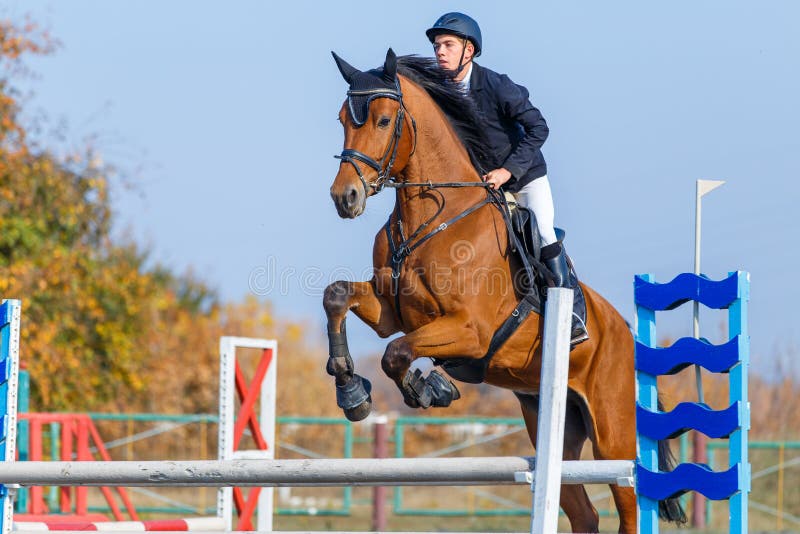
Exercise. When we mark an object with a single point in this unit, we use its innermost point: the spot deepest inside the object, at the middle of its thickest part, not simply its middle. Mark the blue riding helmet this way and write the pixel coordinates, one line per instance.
(457, 24)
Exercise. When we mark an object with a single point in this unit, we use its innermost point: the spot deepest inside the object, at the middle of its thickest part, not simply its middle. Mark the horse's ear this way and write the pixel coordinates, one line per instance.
(390, 66)
(347, 70)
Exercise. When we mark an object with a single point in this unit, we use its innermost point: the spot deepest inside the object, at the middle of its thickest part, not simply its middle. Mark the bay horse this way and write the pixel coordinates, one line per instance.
(445, 276)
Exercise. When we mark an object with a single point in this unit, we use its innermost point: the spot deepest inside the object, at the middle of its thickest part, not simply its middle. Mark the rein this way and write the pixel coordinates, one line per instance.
(400, 185)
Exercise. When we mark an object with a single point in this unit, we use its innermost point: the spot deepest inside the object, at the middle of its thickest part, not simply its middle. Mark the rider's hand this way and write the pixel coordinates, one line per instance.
(497, 177)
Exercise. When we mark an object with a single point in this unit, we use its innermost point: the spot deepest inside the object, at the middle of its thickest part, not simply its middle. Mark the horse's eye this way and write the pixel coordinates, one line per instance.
(384, 122)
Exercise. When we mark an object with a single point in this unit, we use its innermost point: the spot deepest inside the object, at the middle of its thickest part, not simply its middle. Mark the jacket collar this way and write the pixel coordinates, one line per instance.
(477, 79)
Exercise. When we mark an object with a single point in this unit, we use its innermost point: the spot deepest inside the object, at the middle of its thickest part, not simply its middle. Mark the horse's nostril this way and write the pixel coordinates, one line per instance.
(352, 196)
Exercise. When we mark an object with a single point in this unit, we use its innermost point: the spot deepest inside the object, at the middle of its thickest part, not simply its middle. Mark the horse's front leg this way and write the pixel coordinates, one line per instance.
(352, 390)
(446, 337)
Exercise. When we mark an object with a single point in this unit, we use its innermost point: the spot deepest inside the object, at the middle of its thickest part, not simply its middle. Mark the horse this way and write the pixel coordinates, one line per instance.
(446, 277)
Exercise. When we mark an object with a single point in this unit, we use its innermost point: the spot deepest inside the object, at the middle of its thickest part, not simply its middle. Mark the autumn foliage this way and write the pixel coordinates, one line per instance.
(104, 328)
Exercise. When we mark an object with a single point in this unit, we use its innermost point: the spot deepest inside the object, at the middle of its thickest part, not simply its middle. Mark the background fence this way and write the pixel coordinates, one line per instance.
(775, 500)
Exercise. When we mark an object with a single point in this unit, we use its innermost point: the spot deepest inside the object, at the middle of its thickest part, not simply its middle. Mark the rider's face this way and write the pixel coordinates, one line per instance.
(448, 50)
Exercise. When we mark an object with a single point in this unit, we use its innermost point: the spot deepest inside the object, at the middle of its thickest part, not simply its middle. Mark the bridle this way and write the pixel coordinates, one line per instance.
(384, 166)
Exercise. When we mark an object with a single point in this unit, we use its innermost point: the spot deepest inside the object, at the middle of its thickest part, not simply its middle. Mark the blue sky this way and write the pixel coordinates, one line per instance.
(223, 116)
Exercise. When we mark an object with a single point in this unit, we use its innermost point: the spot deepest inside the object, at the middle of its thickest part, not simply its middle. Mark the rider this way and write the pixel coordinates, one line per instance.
(516, 131)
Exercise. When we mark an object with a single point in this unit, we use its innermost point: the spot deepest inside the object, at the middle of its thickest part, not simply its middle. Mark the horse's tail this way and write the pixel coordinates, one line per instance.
(668, 509)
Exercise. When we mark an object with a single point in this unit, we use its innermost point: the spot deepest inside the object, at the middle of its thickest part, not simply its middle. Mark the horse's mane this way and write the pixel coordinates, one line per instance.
(463, 113)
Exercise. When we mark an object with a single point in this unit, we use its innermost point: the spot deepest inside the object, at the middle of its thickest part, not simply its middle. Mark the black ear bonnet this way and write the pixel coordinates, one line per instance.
(367, 86)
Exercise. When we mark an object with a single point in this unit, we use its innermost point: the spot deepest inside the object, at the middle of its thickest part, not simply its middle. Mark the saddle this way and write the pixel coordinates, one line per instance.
(527, 244)
(523, 222)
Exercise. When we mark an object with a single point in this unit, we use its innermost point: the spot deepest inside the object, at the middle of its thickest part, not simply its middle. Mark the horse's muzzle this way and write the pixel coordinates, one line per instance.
(350, 201)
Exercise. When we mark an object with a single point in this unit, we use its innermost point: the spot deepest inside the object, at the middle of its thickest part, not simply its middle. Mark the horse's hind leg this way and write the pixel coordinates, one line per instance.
(580, 511)
(608, 446)
(353, 391)
(614, 434)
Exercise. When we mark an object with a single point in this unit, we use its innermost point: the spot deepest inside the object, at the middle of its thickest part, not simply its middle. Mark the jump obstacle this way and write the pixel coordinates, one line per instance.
(651, 485)
(733, 423)
(77, 430)
(262, 389)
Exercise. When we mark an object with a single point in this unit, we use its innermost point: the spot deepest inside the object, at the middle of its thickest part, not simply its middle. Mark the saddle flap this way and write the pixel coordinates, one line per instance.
(525, 227)
(520, 218)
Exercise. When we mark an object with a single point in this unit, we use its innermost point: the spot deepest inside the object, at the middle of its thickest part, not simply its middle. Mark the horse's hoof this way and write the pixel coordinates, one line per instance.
(360, 412)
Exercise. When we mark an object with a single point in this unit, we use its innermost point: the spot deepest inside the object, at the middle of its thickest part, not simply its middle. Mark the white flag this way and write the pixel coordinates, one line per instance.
(706, 186)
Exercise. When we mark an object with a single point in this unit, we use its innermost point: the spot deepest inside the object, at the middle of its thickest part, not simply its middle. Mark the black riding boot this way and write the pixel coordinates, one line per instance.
(555, 259)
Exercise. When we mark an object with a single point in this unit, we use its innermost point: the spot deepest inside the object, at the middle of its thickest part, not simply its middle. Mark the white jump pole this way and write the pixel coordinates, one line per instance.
(552, 410)
(468, 471)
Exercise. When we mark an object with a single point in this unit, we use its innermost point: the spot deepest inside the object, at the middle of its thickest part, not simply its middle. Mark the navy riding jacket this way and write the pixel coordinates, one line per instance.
(516, 129)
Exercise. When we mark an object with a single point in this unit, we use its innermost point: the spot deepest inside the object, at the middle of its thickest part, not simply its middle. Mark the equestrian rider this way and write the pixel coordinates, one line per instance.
(516, 132)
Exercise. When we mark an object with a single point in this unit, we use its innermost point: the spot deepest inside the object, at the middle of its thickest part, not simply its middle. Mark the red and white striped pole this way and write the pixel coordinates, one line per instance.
(162, 525)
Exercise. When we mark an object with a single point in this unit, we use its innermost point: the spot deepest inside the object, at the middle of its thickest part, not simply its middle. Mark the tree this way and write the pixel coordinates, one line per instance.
(104, 328)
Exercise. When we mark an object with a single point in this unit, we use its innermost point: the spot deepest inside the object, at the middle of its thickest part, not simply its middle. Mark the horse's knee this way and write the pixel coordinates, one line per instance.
(396, 359)
(336, 298)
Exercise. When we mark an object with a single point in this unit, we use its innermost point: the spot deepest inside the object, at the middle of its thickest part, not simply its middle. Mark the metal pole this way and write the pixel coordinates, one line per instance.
(699, 449)
(696, 312)
(380, 450)
(474, 471)
(781, 456)
(698, 501)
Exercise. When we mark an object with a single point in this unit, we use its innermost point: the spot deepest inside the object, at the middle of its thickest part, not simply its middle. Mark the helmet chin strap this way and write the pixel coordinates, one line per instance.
(461, 64)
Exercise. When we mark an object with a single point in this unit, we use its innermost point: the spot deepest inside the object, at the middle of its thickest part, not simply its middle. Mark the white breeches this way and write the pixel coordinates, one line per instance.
(537, 197)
